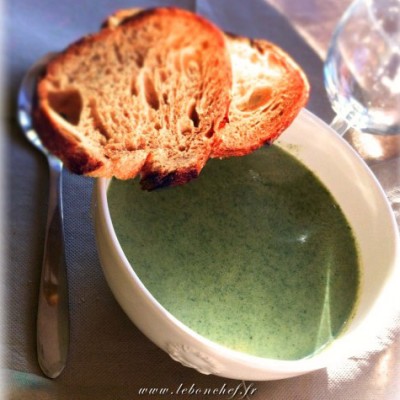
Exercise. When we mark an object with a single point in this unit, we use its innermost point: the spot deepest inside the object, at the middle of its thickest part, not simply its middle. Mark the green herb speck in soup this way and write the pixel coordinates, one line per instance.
(255, 254)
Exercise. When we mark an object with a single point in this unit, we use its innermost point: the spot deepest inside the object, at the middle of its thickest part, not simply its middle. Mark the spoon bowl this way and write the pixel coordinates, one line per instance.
(25, 100)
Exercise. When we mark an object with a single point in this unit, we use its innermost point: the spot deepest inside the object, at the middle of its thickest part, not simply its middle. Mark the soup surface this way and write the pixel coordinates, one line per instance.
(255, 254)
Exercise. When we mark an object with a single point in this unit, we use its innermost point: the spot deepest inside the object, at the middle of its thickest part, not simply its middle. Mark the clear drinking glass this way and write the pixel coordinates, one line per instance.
(362, 69)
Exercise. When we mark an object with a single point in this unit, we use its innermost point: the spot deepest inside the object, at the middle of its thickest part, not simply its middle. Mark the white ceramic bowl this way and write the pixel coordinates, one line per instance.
(363, 202)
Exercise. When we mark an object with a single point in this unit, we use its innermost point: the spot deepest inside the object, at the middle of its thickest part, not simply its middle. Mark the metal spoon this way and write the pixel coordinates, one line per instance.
(53, 313)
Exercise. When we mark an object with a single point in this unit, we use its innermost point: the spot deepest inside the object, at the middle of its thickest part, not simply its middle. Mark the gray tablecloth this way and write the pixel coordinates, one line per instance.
(109, 358)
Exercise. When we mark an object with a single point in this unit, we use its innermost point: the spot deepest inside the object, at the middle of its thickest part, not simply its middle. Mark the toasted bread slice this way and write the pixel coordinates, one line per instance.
(143, 98)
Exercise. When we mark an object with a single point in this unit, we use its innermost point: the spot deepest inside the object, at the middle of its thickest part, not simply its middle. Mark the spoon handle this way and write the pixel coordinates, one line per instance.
(52, 318)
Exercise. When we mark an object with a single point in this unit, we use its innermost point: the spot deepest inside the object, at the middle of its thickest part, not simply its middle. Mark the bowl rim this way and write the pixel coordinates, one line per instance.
(321, 358)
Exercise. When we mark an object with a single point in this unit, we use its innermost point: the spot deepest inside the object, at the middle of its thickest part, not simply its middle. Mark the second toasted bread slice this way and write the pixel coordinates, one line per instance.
(269, 89)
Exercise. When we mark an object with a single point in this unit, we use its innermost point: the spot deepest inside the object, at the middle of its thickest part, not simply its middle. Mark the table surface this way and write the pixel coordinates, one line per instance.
(109, 357)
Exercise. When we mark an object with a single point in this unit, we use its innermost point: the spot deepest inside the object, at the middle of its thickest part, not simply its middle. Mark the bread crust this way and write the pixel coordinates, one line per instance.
(76, 158)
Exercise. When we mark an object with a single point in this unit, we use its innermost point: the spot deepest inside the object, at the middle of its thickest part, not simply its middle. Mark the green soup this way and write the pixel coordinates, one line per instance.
(255, 254)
